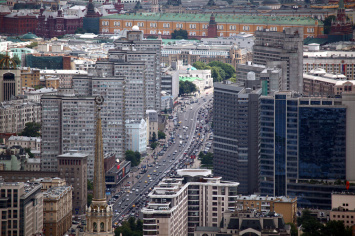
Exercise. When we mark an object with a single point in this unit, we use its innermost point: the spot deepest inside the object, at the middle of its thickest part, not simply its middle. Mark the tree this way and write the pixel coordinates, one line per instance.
(16, 60)
(179, 34)
(228, 69)
(154, 137)
(32, 129)
(133, 157)
(153, 145)
(30, 154)
(32, 45)
(130, 228)
(294, 230)
(334, 228)
(211, 3)
(186, 87)
(161, 135)
(310, 225)
(328, 22)
(80, 31)
(206, 159)
(90, 185)
(1, 140)
(217, 74)
(89, 199)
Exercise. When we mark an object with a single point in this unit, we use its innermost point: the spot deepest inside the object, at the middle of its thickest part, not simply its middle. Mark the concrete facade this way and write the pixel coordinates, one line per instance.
(193, 198)
(236, 135)
(343, 208)
(10, 83)
(152, 124)
(72, 167)
(136, 136)
(34, 143)
(282, 46)
(24, 212)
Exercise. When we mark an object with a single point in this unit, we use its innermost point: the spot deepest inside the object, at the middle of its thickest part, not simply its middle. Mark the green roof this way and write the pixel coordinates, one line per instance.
(29, 35)
(220, 18)
(191, 79)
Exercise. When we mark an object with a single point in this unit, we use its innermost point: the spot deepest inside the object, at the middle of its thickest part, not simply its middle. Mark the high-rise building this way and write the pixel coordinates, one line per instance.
(10, 79)
(99, 214)
(72, 167)
(21, 208)
(180, 204)
(301, 138)
(282, 46)
(236, 135)
(113, 112)
(67, 124)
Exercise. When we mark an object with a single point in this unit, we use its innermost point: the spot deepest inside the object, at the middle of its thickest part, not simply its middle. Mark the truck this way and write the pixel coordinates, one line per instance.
(180, 143)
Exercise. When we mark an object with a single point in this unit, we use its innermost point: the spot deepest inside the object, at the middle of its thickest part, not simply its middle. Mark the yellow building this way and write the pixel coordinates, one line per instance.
(52, 83)
(197, 24)
(30, 77)
(281, 205)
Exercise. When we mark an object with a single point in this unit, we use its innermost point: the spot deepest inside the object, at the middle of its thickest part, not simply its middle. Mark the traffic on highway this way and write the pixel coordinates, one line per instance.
(188, 132)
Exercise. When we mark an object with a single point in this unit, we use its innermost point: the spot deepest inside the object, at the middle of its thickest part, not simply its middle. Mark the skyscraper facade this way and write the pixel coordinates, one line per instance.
(236, 135)
(301, 138)
(67, 124)
(282, 46)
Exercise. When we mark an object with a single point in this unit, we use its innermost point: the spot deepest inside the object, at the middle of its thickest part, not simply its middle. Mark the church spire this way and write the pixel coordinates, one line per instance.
(99, 171)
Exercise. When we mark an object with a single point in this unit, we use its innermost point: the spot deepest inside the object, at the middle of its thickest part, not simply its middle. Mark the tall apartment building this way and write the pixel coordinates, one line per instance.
(301, 139)
(57, 210)
(67, 124)
(282, 46)
(236, 135)
(113, 113)
(15, 114)
(21, 208)
(72, 167)
(180, 204)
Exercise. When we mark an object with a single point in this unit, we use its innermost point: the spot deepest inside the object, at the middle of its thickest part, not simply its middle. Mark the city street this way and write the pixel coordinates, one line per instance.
(139, 188)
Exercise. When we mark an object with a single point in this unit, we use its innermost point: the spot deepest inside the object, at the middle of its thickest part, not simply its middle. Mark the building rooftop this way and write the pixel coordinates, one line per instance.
(24, 138)
(69, 72)
(191, 79)
(267, 198)
(74, 153)
(55, 193)
(222, 18)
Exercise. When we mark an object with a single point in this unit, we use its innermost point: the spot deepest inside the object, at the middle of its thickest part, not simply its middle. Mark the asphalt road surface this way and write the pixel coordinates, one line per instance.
(138, 191)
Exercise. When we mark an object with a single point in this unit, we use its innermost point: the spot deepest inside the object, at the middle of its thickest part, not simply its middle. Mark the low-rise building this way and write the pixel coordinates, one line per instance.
(30, 77)
(285, 206)
(35, 95)
(65, 76)
(191, 199)
(34, 143)
(343, 208)
(32, 164)
(243, 40)
(12, 157)
(152, 124)
(15, 114)
(247, 222)
(22, 208)
(201, 78)
(57, 210)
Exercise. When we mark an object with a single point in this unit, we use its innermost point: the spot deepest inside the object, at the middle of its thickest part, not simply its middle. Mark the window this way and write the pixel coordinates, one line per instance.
(259, 28)
(192, 26)
(104, 22)
(221, 34)
(128, 23)
(116, 23)
(192, 33)
(140, 24)
(166, 25)
(179, 26)
(246, 28)
(273, 28)
(153, 25)
(310, 30)
(153, 32)
(203, 33)
(220, 27)
(232, 27)
(204, 26)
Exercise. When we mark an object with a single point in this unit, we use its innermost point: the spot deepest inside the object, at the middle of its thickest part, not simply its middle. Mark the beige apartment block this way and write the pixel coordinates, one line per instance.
(57, 212)
(285, 206)
(343, 208)
(22, 208)
(34, 143)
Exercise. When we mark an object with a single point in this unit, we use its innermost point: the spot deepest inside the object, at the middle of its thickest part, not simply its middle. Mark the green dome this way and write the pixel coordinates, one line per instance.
(29, 35)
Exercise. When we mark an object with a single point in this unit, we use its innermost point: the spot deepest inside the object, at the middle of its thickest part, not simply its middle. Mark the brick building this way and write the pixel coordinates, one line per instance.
(197, 25)
(19, 23)
(54, 24)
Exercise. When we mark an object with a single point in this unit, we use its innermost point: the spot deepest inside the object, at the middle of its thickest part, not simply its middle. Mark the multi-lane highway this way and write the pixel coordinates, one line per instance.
(136, 194)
